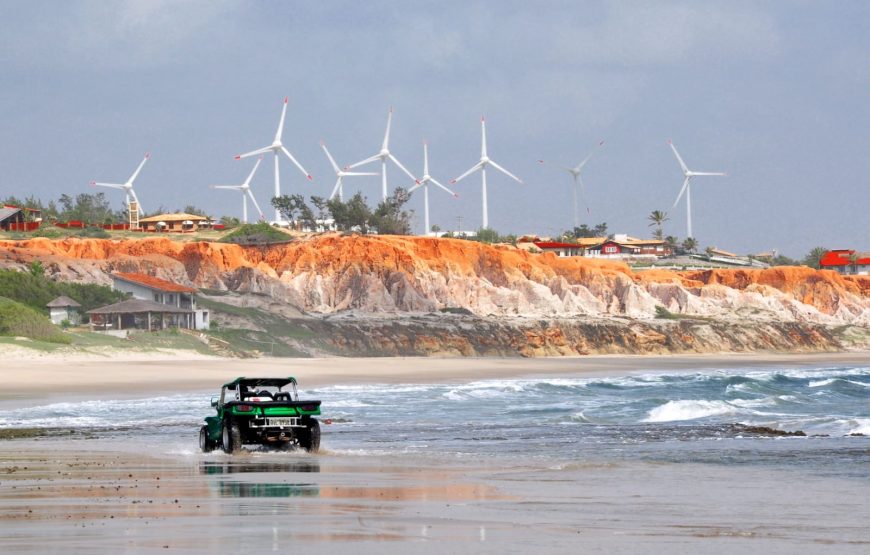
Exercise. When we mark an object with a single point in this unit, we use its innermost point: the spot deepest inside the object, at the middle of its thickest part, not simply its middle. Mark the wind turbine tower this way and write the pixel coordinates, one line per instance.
(481, 165)
(424, 184)
(383, 156)
(278, 148)
(133, 207)
(687, 187)
(245, 189)
(578, 190)
(340, 174)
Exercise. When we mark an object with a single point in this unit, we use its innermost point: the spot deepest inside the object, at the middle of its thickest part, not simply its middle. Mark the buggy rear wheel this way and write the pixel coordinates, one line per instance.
(231, 437)
(205, 443)
(310, 439)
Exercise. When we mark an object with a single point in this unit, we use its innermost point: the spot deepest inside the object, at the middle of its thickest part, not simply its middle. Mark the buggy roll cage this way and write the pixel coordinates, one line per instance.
(254, 383)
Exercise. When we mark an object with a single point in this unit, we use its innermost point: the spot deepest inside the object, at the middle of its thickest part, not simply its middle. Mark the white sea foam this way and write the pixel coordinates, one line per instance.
(861, 426)
(822, 383)
(674, 411)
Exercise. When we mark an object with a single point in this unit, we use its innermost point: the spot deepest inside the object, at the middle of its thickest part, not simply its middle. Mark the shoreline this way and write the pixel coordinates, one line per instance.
(98, 377)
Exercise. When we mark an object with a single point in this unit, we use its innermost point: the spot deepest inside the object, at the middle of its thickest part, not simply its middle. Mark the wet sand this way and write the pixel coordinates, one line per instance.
(73, 499)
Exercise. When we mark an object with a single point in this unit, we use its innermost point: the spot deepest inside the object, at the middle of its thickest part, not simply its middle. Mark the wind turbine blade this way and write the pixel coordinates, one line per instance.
(253, 171)
(233, 187)
(280, 131)
(386, 144)
(335, 189)
(473, 169)
(709, 173)
(359, 173)
(482, 137)
(504, 171)
(110, 185)
(257, 152)
(425, 158)
(328, 155)
(298, 165)
(403, 168)
(142, 163)
(679, 159)
(257, 206)
(415, 187)
(583, 163)
(368, 160)
(683, 190)
(443, 187)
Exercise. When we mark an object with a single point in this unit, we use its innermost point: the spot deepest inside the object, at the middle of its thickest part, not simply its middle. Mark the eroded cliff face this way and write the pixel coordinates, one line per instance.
(397, 275)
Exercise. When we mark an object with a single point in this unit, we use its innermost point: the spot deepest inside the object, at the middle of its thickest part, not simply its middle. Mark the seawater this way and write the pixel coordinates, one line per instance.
(660, 416)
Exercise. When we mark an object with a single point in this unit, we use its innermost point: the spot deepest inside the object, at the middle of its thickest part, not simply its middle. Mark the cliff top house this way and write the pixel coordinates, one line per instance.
(846, 262)
(180, 222)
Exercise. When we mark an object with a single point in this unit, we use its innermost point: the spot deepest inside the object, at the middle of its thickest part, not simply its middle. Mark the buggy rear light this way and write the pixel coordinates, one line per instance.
(244, 408)
(308, 407)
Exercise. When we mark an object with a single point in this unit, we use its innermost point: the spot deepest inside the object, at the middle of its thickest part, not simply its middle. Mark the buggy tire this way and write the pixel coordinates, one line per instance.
(310, 440)
(205, 444)
(231, 437)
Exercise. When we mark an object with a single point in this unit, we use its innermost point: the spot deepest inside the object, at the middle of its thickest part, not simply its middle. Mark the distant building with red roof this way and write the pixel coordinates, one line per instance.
(846, 262)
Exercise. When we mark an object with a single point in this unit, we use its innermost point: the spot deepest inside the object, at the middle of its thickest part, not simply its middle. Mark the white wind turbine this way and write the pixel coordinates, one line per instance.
(383, 156)
(689, 174)
(340, 174)
(481, 165)
(128, 186)
(424, 183)
(277, 148)
(578, 189)
(245, 189)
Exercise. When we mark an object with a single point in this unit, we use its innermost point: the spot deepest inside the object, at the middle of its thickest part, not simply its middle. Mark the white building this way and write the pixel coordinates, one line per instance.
(150, 288)
(64, 308)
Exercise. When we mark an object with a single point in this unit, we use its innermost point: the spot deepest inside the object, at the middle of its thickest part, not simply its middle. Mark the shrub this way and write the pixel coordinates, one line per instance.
(17, 320)
(256, 234)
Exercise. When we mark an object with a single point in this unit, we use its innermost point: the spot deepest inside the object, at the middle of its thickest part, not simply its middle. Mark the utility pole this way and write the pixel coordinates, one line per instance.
(458, 225)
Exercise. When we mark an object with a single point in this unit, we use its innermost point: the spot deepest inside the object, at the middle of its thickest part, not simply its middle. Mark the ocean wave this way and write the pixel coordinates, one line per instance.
(674, 411)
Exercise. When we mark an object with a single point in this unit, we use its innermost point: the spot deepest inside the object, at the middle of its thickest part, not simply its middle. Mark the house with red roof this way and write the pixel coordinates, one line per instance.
(847, 262)
(163, 292)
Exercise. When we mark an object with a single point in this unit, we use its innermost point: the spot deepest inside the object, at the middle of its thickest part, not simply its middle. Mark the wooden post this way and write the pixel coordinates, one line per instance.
(149, 320)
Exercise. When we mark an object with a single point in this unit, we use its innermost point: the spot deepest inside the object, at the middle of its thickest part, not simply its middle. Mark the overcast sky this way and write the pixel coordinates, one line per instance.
(775, 93)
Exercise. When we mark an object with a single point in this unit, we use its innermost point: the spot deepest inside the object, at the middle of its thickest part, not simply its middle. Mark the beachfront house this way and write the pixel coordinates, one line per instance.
(166, 293)
(137, 314)
(64, 309)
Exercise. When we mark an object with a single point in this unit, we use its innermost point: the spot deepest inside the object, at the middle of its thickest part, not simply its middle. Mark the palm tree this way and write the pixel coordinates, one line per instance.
(657, 218)
(814, 257)
(690, 244)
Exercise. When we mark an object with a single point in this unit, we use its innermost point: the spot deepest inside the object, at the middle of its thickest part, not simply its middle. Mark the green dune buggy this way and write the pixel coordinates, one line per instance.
(262, 411)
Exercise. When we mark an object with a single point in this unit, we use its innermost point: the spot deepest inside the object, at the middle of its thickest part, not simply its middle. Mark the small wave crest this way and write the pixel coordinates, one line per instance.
(674, 411)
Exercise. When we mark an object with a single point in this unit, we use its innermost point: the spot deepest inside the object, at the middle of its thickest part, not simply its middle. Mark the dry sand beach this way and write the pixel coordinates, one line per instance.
(128, 492)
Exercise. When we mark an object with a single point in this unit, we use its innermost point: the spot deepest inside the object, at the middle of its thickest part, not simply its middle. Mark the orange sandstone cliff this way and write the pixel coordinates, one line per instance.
(376, 277)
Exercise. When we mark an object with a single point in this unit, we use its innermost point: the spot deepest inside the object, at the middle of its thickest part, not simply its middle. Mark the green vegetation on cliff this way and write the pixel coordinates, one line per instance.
(33, 289)
(256, 234)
